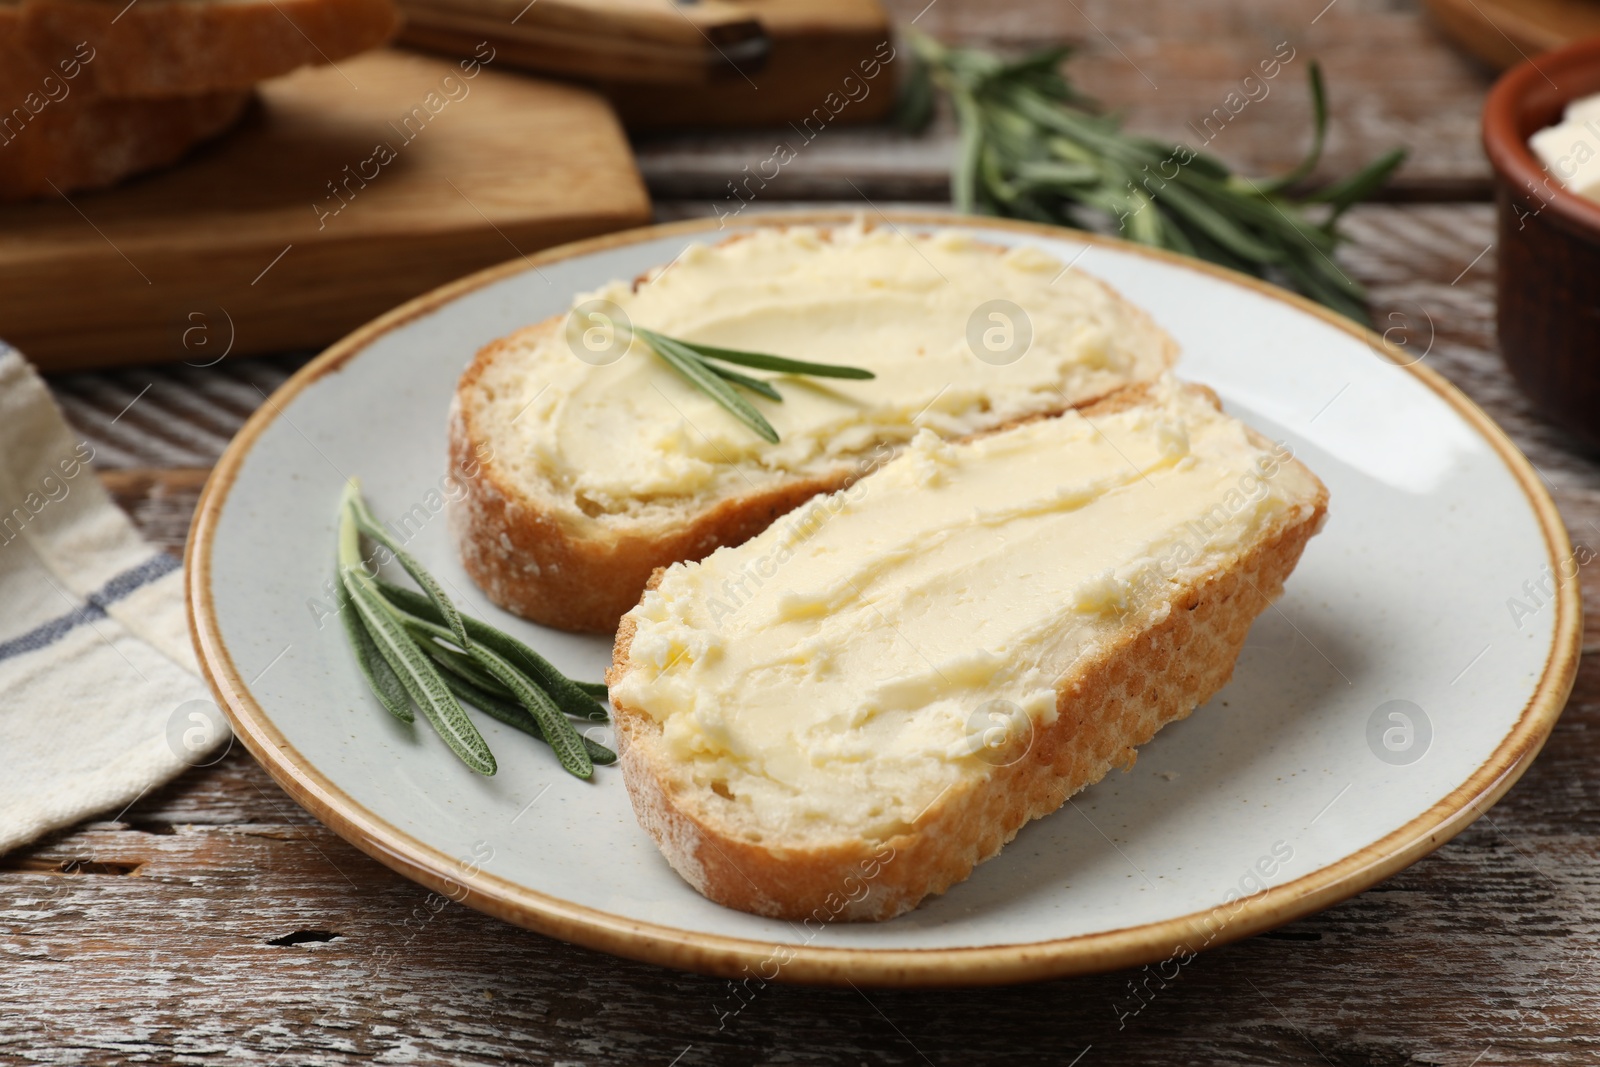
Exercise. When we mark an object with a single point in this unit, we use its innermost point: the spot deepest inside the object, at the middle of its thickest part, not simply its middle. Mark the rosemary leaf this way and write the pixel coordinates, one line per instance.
(693, 369)
(1207, 212)
(562, 736)
(1345, 193)
(598, 690)
(755, 385)
(411, 656)
(763, 360)
(1319, 136)
(1049, 174)
(557, 730)
(513, 714)
(690, 361)
(455, 661)
(1033, 147)
(964, 179)
(418, 674)
(386, 685)
(574, 698)
(372, 528)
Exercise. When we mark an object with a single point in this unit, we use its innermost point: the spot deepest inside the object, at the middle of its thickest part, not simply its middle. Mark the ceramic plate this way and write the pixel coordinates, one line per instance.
(1409, 674)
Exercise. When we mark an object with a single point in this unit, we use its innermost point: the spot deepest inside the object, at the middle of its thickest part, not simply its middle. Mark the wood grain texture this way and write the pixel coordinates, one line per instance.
(1503, 33)
(169, 415)
(813, 47)
(1163, 64)
(654, 42)
(216, 921)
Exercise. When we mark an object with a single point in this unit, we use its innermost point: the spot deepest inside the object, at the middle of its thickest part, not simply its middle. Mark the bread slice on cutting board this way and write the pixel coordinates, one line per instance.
(597, 467)
(94, 91)
(172, 48)
(91, 143)
(851, 710)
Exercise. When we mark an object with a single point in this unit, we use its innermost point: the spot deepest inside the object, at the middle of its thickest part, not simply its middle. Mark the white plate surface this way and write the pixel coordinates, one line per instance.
(1277, 782)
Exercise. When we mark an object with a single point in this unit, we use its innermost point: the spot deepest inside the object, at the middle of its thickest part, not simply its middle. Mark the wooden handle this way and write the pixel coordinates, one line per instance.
(647, 41)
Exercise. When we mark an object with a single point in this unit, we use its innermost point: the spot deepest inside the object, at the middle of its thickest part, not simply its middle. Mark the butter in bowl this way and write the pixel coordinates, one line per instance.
(1570, 149)
(1541, 131)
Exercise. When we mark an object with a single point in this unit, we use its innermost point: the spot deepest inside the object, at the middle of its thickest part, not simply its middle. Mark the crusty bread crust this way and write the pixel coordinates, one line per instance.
(521, 553)
(1107, 707)
(168, 48)
(87, 144)
(92, 92)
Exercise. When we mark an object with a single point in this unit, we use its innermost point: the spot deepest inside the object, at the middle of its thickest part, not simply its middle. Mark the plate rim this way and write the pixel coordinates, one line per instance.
(728, 956)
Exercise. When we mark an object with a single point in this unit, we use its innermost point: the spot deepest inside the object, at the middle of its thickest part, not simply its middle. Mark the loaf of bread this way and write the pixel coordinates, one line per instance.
(850, 711)
(89, 143)
(94, 91)
(603, 464)
(173, 48)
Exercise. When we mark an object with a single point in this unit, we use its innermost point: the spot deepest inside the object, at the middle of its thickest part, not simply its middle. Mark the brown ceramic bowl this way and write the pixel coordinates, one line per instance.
(1549, 243)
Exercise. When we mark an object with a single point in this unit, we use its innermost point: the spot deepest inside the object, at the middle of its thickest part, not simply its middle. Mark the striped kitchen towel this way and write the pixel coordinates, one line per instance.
(100, 697)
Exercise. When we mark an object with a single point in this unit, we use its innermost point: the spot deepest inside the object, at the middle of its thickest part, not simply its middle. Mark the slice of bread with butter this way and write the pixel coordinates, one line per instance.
(854, 708)
(600, 464)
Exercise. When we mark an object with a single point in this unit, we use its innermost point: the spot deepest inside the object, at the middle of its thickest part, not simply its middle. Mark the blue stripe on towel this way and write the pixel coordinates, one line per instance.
(94, 606)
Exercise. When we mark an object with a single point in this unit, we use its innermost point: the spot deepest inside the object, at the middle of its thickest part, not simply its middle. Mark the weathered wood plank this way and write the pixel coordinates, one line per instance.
(202, 924)
(169, 415)
(160, 501)
(1168, 66)
(263, 934)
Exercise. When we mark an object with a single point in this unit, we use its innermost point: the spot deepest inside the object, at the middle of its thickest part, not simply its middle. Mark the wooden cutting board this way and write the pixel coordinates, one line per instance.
(347, 191)
(1503, 33)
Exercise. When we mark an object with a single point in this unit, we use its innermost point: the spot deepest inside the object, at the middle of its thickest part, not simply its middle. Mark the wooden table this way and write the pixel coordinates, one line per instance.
(215, 921)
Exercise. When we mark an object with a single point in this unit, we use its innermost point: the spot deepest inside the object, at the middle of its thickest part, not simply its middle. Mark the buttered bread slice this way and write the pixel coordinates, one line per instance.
(599, 463)
(853, 709)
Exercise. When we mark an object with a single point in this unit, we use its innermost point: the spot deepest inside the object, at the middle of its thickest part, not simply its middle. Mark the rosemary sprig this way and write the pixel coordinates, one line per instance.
(692, 362)
(562, 737)
(370, 526)
(699, 374)
(514, 715)
(559, 733)
(416, 648)
(575, 698)
(1033, 147)
(763, 361)
(385, 683)
(755, 385)
(416, 672)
